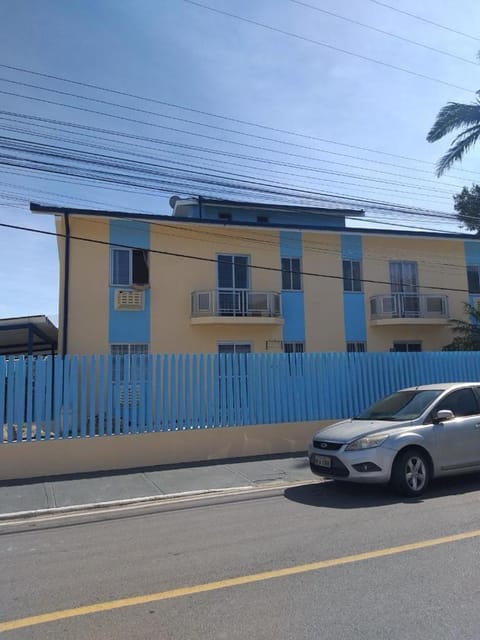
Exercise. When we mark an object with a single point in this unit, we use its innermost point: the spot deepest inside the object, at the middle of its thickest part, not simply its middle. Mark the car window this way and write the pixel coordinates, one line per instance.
(402, 405)
(462, 402)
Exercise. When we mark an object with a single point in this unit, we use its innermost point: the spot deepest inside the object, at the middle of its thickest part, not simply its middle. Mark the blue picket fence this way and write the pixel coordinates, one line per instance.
(44, 398)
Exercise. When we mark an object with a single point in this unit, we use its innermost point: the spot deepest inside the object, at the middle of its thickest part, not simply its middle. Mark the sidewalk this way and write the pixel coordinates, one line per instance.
(72, 491)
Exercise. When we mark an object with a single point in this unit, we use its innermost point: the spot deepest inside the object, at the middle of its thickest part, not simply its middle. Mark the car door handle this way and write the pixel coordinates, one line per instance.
(476, 425)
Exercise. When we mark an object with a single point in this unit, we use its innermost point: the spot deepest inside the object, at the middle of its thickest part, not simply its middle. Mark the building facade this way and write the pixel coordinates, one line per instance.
(223, 276)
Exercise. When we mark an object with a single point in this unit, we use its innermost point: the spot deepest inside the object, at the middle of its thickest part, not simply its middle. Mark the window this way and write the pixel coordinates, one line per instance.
(234, 347)
(356, 347)
(462, 402)
(262, 219)
(293, 347)
(136, 349)
(232, 271)
(473, 277)
(291, 274)
(402, 405)
(352, 275)
(408, 347)
(403, 277)
(129, 266)
(226, 217)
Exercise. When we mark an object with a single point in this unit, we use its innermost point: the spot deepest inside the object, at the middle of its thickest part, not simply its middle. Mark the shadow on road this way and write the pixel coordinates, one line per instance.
(344, 495)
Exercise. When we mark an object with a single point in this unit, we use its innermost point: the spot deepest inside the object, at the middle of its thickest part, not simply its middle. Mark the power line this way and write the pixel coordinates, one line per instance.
(193, 176)
(435, 191)
(27, 198)
(297, 36)
(308, 181)
(188, 256)
(223, 129)
(417, 17)
(163, 142)
(220, 116)
(383, 32)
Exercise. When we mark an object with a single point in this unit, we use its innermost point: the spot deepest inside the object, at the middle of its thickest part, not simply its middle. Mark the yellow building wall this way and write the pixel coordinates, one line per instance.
(89, 287)
(324, 327)
(173, 279)
(440, 263)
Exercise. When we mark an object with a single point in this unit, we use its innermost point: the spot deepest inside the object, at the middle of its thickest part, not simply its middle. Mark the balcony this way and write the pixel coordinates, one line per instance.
(244, 306)
(408, 308)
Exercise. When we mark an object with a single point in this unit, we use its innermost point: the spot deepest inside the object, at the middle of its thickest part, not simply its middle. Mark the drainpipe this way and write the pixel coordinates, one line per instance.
(200, 207)
(66, 284)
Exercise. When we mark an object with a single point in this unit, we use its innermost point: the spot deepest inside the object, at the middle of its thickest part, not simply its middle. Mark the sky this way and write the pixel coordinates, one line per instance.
(327, 118)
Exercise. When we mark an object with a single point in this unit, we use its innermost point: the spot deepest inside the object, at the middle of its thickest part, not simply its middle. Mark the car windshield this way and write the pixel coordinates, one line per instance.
(402, 405)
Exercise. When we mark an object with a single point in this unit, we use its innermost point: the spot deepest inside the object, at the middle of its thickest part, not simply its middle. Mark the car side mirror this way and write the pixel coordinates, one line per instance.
(443, 415)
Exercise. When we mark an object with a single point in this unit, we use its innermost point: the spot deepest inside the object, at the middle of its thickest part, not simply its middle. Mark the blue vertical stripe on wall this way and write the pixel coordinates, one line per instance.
(293, 304)
(354, 317)
(294, 316)
(472, 252)
(290, 244)
(351, 247)
(355, 326)
(129, 326)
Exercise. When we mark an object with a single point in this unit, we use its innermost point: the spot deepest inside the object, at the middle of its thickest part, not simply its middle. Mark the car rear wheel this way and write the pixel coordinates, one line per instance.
(411, 472)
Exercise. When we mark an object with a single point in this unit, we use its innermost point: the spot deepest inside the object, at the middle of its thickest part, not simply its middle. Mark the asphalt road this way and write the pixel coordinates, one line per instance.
(423, 593)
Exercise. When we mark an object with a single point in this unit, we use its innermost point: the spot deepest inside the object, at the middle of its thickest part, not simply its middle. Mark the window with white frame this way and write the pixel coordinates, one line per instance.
(356, 347)
(127, 349)
(129, 267)
(293, 347)
(291, 274)
(352, 275)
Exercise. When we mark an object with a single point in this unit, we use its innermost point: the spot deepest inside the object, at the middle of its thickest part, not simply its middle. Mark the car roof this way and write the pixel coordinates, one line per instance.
(443, 386)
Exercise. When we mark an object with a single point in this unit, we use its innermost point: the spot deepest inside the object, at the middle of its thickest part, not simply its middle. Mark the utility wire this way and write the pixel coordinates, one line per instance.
(223, 129)
(297, 36)
(194, 177)
(383, 32)
(435, 190)
(203, 135)
(417, 17)
(203, 258)
(220, 116)
(17, 118)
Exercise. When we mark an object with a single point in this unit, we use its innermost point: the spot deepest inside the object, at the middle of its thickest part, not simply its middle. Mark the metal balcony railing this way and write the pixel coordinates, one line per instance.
(239, 303)
(408, 305)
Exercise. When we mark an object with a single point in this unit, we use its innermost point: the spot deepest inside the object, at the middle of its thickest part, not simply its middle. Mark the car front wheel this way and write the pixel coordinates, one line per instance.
(411, 473)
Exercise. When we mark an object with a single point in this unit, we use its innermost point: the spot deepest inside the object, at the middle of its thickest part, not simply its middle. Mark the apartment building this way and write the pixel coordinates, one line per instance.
(226, 276)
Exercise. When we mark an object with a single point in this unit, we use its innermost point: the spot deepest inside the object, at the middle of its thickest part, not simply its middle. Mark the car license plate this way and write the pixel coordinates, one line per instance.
(322, 461)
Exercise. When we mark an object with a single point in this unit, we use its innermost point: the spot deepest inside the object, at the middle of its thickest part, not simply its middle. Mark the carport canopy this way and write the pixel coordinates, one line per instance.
(27, 335)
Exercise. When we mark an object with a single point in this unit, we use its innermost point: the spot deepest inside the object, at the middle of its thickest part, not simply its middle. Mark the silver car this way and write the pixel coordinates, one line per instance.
(407, 439)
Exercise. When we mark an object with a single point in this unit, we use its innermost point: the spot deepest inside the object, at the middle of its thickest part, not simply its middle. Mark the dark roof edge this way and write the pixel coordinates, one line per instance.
(270, 206)
(38, 208)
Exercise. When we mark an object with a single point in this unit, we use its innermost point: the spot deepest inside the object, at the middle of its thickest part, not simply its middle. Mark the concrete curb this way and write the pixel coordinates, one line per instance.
(16, 515)
(92, 506)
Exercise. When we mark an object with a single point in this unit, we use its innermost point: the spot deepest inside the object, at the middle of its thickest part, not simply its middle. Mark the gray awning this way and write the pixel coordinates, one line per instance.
(27, 335)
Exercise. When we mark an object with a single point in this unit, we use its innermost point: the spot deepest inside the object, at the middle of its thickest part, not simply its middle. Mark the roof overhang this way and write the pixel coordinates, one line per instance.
(27, 335)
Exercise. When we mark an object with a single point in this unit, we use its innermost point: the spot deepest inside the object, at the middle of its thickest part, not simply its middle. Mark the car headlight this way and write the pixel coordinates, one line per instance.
(368, 442)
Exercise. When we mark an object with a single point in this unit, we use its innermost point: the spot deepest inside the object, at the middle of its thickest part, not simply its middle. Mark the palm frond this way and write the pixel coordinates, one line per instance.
(453, 116)
(460, 146)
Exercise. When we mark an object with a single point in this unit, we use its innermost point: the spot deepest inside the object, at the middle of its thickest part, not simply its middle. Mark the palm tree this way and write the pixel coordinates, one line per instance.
(456, 115)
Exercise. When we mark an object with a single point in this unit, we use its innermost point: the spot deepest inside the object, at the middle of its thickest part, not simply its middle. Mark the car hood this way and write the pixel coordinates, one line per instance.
(349, 430)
